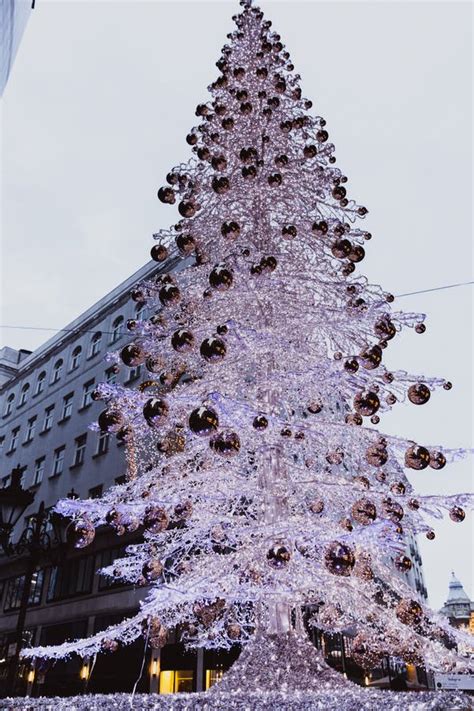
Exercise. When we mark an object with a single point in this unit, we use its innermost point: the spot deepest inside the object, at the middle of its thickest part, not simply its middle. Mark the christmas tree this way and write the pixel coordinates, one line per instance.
(256, 471)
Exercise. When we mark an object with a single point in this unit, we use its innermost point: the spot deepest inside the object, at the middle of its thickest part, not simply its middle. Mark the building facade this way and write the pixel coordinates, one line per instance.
(46, 409)
(459, 608)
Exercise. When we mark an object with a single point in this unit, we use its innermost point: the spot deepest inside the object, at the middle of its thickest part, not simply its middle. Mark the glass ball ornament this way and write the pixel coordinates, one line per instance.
(155, 411)
(376, 455)
(310, 151)
(109, 645)
(166, 195)
(182, 341)
(213, 350)
(183, 510)
(366, 403)
(260, 423)
(409, 612)
(315, 406)
(419, 394)
(447, 385)
(110, 421)
(392, 510)
(221, 278)
(398, 488)
(159, 640)
(341, 248)
(457, 514)
(417, 457)
(80, 533)
(278, 556)
(154, 364)
(174, 442)
(289, 231)
(187, 208)
(159, 253)
(227, 444)
(132, 355)
(230, 229)
(155, 519)
(380, 476)
(335, 457)
(437, 460)
(346, 524)
(125, 434)
(351, 365)
(413, 504)
(169, 294)
(363, 567)
(371, 358)
(430, 535)
(320, 228)
(364, 512)
(339, 559)
(322, 136)
(203, 421)
(152, 570)
(185, 244)
(361, 482)
(420, 328)
(353, 419)
(221, 185)
(385, 329)
(275, 180)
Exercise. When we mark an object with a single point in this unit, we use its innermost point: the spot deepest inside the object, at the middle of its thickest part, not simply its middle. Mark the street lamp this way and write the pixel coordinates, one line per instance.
(43, 533)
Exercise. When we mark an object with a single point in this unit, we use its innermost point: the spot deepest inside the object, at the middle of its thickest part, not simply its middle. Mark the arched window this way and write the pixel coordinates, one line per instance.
(117, 329)
(9, 404)
(76, 357)
(94, 346)
(57, 371)
(40, 383)
(24, 394)
(140, 312)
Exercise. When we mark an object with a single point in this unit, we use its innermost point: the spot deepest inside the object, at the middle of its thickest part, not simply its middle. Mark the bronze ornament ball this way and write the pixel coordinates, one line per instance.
(152, 570)
(185, 244)
(155, 519)
(366, 403)
(203, 421)
(364, 512)
(213, 350)
(371, 358)
(221, 278)
(159, 252)
(155, 411)
(392, 510)
(437, 460)
(457, 514)
(260, 422)
(166, 195)
(278, 556)
(376, 455)
(132, 355)
(417, 457)
(169, 294)
(227, 444)
(80, 533)
(110, 421)
(182, 341)
(409, 612)
(339, 559)
(419, 394)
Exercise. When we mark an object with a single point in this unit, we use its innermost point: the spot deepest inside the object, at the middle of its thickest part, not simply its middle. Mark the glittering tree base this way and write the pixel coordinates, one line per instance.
(287, 662)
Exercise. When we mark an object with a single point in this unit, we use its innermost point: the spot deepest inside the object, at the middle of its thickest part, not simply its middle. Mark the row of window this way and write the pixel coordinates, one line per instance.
(66, 410)
(74, 577)
(58, 368)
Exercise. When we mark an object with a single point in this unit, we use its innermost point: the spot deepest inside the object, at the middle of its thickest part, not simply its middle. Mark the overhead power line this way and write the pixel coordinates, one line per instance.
(110, 333)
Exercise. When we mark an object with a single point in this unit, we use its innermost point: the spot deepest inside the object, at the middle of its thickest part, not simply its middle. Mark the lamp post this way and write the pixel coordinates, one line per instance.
(42, 534)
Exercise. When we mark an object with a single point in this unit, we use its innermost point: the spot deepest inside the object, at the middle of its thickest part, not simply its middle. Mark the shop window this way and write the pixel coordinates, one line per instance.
(72, 578)
(176, 681)
(213, 676)
(15, 591)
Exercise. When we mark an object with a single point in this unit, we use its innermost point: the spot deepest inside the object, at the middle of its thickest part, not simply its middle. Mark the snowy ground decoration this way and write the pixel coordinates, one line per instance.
(329, 699)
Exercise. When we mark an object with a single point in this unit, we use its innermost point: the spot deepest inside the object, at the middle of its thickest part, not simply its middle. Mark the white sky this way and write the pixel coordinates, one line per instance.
(101, 97)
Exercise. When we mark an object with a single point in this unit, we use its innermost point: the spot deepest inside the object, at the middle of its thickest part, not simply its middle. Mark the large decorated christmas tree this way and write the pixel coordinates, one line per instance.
(256, 470)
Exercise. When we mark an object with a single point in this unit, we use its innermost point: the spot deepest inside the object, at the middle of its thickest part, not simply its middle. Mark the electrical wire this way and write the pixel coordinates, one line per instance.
(110, 333)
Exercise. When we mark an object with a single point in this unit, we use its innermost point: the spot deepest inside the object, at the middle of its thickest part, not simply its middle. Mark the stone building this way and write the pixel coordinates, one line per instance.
(458, 608)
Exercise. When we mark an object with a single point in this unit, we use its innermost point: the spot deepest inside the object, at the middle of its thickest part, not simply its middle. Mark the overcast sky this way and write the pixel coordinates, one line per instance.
(100, 99)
